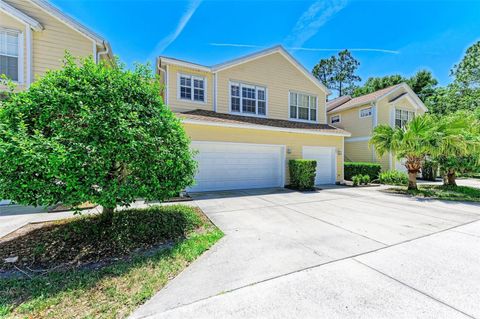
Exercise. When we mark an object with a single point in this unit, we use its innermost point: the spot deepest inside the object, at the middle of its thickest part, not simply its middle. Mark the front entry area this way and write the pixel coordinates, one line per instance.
(226, 166)
(325, 157)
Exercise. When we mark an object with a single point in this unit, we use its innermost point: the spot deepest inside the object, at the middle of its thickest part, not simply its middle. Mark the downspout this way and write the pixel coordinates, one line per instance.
(104, 52)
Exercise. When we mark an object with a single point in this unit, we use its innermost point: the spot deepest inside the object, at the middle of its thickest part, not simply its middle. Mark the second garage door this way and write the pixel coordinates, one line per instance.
(224, 166)
(326, 164)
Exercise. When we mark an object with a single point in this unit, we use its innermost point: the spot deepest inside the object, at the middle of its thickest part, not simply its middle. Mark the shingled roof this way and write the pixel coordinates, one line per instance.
(223, 118)
(346, 102)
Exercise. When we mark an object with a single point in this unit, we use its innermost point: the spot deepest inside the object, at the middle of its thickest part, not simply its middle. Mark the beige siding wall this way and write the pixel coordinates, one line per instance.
(49, 45)
(7, 22)
(358, 152)
(179, 105)
(350, 121)
(279, 76)
(293, 141)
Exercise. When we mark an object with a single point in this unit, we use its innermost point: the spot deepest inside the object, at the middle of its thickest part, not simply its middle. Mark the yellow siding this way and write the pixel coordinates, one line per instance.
(179, 105)
(358, 152)
(8, 22)
(49, 45)
(350, 121)
(293, 141)
(279, 76)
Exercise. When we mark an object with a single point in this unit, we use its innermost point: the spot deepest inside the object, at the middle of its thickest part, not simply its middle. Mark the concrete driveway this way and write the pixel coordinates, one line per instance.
(336, 253)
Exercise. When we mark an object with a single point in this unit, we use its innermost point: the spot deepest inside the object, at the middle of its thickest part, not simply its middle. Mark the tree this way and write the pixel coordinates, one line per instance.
(338, 73)
(89, 132)
(422, 83)
(467, 72)
(456, 144)
(411, 143)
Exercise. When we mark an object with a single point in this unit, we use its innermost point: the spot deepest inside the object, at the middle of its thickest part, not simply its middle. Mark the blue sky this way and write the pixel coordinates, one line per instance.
(400, 36)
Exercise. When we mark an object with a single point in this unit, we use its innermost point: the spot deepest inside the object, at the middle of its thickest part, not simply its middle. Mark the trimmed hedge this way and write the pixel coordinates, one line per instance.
(360, 168)
(302, 174)
(394, 177)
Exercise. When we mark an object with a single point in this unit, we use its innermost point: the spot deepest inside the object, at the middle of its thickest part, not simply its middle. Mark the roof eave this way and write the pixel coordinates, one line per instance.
(19, 15)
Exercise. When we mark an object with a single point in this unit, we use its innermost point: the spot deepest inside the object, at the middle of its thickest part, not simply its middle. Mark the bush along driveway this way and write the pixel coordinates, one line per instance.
(78, 268)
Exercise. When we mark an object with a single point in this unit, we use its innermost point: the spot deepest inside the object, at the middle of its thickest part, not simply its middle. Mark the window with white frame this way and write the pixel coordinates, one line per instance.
(335, 119)
(248, 99)
(191, 87)
(402, 117)
(366, 112)
(303, 107)
(9, 54)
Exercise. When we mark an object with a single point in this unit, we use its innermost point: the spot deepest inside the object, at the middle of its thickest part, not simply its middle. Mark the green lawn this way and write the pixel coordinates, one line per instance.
(114, 290)
(455, 193)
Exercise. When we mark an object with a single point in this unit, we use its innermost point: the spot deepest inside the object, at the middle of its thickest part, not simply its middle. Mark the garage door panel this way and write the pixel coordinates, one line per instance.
(325, 157)
(223, 166)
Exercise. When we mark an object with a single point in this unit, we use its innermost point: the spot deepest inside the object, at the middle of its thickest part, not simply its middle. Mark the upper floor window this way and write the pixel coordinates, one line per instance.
(9, 53)
(248, 99)
(191, 87)
(303, 107)
(402, 117)
(335, 119)
(366, 112)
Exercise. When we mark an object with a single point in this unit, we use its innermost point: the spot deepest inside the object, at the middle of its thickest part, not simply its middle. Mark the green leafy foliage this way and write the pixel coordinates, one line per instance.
(365, 179)
(360, 180)
(92, 132)
(467, 72)
(338, 72)
(360, 168)
(422, 83)
(393, 177)
(302, 173)
(429, 170)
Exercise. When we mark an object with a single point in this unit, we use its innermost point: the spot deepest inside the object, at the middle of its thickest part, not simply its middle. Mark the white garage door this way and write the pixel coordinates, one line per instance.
(326, 164)
(223, 166)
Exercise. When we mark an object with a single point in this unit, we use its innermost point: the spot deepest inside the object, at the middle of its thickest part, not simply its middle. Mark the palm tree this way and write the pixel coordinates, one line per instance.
(455, 144)
(412, 143)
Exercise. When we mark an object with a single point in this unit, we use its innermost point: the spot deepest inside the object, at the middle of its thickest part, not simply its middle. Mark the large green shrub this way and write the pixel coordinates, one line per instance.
(90, 132)
(302, 174)
(360, 168)
(394, 178)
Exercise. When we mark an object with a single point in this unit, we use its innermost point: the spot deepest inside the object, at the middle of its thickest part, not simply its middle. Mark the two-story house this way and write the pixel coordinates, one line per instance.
(394, 106)
(34, 36)
(249, 116)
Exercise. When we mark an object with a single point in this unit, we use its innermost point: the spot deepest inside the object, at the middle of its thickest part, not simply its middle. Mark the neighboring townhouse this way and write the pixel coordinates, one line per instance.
(249, 116)
(394, 106)
(34, 36)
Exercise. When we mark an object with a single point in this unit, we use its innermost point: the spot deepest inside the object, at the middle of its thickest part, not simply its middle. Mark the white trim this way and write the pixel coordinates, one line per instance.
(94, 49)
(262, 128)
(167, 86)
(339, 119)
(242, 84)
(293, 119)
(20, 52)
(187, 64)
(215, 90)
(269, 51)
(358, 139)
(343, 159)
(411, 94)
(282, 148)
(29, 57)
(20, 16)
(333, 151)
(365, 108)
(192, 78)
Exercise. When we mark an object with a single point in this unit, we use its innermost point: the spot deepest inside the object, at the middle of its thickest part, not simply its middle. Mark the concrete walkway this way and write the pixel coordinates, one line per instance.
(336, 253)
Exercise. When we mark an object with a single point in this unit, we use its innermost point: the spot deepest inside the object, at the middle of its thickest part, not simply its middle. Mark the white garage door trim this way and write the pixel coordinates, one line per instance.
(281, 149)
(308, 152)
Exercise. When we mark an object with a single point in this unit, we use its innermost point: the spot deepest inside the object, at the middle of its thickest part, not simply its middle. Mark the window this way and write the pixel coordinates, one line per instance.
(303, 107)
(402, 117)
(248, 99)
(367, 112)
(335, 119)
(9, 52)
(191, 88)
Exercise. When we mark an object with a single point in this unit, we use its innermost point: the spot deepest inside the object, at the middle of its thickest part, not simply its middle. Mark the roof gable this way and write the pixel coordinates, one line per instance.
(19, 15)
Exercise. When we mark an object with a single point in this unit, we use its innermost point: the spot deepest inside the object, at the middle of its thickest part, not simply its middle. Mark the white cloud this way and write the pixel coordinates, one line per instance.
(311, 20)
(241, 45)
(165, 43)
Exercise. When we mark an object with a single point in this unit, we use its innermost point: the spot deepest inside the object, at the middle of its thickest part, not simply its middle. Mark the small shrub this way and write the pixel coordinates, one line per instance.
(393, 178)
(302, 174)
(359, 168)
(357, 180)
(365, 179)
